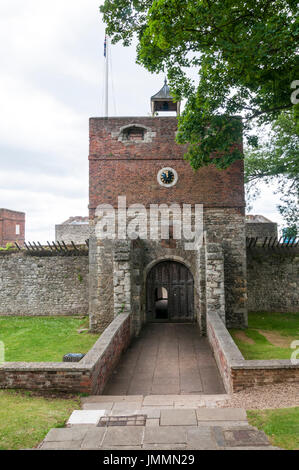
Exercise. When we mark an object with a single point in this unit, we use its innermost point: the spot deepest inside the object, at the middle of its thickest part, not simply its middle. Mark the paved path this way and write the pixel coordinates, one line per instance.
(167, 422)
(167, 358)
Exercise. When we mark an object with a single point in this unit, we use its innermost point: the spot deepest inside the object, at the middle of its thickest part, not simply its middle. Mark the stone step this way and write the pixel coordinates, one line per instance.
(162, 416)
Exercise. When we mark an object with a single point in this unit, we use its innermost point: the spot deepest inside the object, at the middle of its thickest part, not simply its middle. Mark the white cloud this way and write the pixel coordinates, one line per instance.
(51, 82)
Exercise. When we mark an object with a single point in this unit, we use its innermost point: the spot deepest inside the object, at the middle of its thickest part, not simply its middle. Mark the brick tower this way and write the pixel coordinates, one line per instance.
(12, 227)
(137, 157)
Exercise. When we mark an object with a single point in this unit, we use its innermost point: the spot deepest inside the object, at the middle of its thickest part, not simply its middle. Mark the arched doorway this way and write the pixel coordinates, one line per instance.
(169, 290)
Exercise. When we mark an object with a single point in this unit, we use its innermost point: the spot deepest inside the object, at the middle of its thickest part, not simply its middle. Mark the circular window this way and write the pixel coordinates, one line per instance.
(167, 177)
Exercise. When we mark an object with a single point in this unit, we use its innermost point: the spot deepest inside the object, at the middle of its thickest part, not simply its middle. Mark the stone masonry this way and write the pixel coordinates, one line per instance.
(39, 285)
(118, 166)
(273, 280)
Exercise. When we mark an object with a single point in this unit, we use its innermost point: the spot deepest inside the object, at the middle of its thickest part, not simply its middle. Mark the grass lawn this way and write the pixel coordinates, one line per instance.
(268, 336)
(25, 419)
(281, 426)
(44, 339)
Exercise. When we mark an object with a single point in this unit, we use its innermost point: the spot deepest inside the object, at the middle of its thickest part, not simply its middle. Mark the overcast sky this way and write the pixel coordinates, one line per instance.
(51, 82)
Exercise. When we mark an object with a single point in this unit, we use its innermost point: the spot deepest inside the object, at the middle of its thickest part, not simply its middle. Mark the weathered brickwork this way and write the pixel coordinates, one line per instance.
(12, 227)
(90, 375)
(273, 280)
(123, 167)
(118, 169)
(33, 285)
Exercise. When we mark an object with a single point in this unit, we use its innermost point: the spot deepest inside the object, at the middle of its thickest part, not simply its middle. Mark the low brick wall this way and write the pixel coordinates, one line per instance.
(90, 375)
(238, 373)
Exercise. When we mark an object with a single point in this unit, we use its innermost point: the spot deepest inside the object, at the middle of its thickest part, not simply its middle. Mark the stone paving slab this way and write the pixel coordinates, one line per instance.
(61, 445)
(107, 406)
(123, 436)
(221, 414)
(165, 435)
(67, 434)
(201, 438)
(120, 409)
(153, 422)
(163, 427)
(178, 418)
(93, 438)
(85, 417)
(111, 398)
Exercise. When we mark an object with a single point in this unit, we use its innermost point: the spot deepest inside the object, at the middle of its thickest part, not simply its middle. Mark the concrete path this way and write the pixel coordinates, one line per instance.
(167, 358)
(166, 422)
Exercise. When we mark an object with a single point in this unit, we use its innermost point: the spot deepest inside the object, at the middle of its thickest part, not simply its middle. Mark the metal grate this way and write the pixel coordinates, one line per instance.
(134, 420)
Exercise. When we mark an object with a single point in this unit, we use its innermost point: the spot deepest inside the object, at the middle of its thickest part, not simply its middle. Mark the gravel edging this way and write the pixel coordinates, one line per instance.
(263, 397)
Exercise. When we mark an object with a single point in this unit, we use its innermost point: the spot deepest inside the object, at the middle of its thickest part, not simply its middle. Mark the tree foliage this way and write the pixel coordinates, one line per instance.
(276, 162)
(244, 52)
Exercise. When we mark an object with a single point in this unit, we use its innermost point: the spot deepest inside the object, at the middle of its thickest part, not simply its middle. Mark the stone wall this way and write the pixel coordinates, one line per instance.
(273, 280)
(261, 229)
(214, 269)
(113, 284)
(68, 233)
(90, 375)
(227, 227)
(43, 285)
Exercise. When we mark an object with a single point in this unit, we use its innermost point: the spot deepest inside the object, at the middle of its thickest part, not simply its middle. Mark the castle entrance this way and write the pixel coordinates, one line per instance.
(170, 293)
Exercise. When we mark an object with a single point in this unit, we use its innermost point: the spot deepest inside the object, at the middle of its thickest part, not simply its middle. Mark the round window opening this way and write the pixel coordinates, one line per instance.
(167, 177)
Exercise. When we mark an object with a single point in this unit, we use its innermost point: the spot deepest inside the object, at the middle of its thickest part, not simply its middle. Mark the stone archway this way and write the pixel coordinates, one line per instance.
(170, 292)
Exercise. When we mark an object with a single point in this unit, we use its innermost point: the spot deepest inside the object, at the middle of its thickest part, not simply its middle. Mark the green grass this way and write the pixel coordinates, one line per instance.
(26, 419)
(285, 324)
(281, 426)
(43, 339)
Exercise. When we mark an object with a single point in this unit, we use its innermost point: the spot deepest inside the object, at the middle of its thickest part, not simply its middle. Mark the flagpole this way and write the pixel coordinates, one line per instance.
(106, 53)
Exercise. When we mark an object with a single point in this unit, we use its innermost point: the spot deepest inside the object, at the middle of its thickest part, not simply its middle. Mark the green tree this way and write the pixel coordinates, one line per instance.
(276, 163)
(245, 54)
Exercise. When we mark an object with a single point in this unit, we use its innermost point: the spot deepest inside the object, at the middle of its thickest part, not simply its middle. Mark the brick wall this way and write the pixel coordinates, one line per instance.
(273, 280)
(33, 285)
(90, 375)
(118, 168)
(8, 224)
(238, 373)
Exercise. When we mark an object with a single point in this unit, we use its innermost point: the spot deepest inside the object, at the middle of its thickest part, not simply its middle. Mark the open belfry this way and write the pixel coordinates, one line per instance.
(136, 160)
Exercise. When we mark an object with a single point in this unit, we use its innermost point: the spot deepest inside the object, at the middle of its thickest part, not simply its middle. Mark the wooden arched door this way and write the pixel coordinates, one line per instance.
(170, 295)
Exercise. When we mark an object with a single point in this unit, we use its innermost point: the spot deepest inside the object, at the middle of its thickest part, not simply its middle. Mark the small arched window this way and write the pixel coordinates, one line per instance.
(133, 133)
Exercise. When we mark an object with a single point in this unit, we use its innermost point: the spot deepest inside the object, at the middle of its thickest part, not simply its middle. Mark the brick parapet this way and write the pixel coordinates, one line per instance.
(90, 375)
(238, 373)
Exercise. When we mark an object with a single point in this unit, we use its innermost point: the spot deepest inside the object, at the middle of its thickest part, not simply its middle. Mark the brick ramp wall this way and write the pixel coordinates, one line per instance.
(90, 375)
(238, 373)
